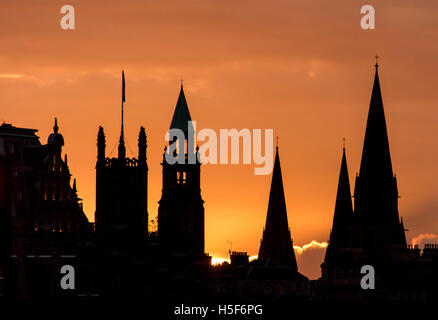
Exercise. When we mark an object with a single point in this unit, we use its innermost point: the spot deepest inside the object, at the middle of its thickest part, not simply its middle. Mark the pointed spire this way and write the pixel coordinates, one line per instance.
(376, 159)
(343, 207)
(181, 115)
(375, 194)
(276, 243)
(75, 190)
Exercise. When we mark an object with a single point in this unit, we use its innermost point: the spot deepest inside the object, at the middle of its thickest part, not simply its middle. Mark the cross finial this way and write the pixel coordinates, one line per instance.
(377, 62)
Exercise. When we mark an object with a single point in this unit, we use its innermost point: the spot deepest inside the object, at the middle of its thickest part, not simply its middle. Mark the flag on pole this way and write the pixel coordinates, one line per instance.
(123, 86)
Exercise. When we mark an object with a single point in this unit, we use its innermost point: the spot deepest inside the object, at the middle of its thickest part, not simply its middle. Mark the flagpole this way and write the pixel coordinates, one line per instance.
(123, 99)
(122, 150)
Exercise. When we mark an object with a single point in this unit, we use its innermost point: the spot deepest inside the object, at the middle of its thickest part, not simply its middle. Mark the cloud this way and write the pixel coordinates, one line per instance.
(423, 236)
(11, 75)
(312, 244)
(309, 258)
(216, 260)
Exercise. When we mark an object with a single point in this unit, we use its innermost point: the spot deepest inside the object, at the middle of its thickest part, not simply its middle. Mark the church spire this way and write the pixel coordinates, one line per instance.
(181, 115)
(276, 243)
(375, 194)
(343, 207)
(376, 158)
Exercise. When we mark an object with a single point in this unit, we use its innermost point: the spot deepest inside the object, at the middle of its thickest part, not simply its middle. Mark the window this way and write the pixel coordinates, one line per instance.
(181, 177)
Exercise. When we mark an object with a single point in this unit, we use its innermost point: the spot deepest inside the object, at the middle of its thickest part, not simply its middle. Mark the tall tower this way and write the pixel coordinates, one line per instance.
(276, 242)
(121, 192)
(376, 194)
(181, 208)
(372, 234)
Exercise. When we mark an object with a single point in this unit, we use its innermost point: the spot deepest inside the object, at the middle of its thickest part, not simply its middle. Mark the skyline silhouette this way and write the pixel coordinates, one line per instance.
(44, 229)
(306, 71)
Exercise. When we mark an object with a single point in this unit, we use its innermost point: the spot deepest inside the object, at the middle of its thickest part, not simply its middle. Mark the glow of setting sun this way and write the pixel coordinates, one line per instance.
(216, 261)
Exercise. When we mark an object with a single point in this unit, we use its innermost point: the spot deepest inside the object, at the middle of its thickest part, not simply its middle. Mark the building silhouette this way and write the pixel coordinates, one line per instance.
(43, 227)
(41, 215)
(373, 233)
(121, 194)
(181, 208)
(375, 194)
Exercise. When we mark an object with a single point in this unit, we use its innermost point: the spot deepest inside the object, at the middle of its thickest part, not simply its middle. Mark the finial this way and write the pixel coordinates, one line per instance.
(74, 186)
(343, 143)
(55, 127)
(276, 142)
(182, 82)
(377, 62)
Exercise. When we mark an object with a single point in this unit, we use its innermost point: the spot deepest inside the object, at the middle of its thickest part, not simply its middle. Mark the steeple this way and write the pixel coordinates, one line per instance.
(376, 194)
(343, 207)
(376, 158)
(181, 115)
(181, 207)
(276, 242)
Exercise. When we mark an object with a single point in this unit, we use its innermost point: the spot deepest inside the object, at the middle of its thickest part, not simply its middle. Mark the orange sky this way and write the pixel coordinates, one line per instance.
(303, 68)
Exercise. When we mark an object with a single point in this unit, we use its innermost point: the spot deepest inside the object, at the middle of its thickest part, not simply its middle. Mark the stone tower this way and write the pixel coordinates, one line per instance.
(181, 208)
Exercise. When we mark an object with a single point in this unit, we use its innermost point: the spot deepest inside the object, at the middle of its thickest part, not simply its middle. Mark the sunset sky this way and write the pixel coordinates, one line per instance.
(303, 68)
